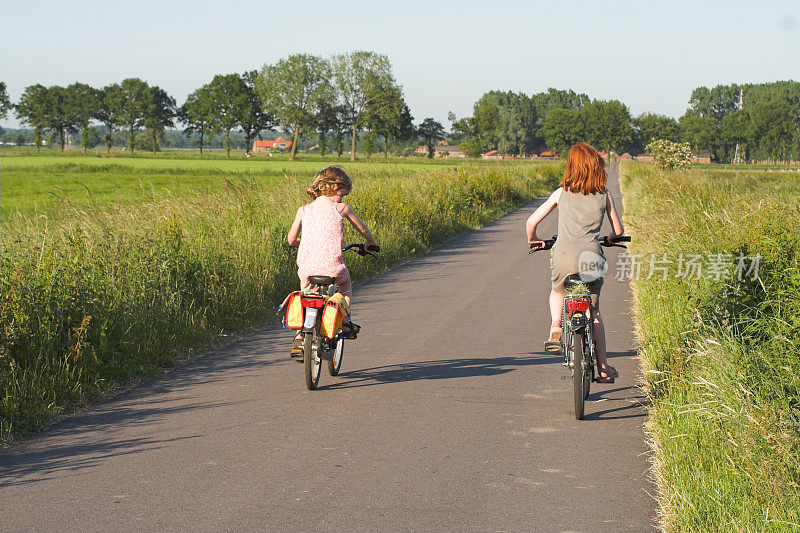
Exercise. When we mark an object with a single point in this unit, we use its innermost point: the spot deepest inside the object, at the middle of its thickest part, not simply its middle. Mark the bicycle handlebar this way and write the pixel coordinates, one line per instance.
(362, 250)
(603, 241)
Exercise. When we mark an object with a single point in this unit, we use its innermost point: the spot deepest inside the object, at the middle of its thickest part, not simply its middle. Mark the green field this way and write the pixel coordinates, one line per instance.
(32, 184)
(721, 352)
(101, 294)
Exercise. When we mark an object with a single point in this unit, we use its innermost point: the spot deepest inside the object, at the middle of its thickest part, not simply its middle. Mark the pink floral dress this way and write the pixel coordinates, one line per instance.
(320, 251)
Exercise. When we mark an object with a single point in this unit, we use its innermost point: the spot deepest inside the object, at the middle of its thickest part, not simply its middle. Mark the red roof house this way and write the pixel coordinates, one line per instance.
(279, 143)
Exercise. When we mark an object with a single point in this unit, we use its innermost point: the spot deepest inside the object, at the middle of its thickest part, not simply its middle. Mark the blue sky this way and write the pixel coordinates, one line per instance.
(649, 54)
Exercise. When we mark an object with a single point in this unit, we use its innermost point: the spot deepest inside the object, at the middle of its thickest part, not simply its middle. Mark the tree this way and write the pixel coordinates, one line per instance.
(159, 114)
(390, 117)
(563, 128)
(327, 120)
(472, 146)
(197, 113)
(31, 110)
(771, 128)
(250, 111)
(135, 97)
(84, 103)
(430, 131)
(111, 103)
(699, 132)
(650, 126)
(735, 130)
(607, 125)
(292, 91)
(228, 93)
(5, 103)
(60, 113)
(363, 79)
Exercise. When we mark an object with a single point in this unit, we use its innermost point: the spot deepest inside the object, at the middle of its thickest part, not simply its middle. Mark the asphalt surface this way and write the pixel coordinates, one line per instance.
(447, 416)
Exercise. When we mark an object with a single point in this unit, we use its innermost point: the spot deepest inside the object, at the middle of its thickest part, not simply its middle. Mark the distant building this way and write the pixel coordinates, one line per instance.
(492, 154)
(442, 149)
(262, 146)
(548, 154)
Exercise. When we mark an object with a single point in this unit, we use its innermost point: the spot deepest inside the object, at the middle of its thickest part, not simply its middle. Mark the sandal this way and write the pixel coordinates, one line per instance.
(350, 330)
(553, 345)
(297, 348)
(610, 374)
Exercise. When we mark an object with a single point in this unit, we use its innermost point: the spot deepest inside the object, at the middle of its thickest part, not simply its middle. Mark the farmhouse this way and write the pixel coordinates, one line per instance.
(262, 146)
(442, 149)
(493, 154)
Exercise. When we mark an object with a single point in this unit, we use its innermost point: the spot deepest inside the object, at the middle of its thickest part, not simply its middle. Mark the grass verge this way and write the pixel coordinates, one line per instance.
(720, 343)
(92, 299)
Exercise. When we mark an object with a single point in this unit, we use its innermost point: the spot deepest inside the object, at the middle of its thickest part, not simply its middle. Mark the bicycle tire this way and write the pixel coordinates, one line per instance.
(587, 378)
(335, 362)
(312, 364)
(578, 374)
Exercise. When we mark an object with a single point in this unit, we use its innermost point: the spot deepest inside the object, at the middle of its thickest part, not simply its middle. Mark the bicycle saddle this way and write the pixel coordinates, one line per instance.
(575, 279)
(321, 280)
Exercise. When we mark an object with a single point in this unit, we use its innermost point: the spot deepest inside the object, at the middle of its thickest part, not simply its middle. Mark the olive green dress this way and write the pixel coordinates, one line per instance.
(580, 218)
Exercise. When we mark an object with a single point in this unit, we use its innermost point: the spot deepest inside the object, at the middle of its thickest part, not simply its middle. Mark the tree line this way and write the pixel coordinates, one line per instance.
(349, 96)
(352, 97)
(767, 126)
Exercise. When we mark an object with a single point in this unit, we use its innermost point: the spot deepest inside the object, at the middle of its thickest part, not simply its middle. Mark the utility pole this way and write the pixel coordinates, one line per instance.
(737, 156)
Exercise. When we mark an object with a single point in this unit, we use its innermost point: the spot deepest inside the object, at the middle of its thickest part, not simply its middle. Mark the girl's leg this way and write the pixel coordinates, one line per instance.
(345, 285)
(604, 369)
(556, 307)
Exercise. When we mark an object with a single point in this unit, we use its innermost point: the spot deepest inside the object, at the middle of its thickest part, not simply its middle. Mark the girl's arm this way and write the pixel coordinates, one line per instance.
(359, 225)
(538, 215)
(294, 232)
(613, 217)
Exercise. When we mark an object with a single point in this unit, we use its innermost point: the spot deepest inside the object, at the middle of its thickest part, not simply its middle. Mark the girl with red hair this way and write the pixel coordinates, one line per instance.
(583, 202)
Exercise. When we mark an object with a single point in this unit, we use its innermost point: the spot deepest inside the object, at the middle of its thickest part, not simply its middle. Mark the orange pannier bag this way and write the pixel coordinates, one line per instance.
(333, 315)
(294, 310)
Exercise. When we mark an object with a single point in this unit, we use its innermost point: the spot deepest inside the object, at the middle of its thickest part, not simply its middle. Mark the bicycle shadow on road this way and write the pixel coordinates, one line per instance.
(442, 369)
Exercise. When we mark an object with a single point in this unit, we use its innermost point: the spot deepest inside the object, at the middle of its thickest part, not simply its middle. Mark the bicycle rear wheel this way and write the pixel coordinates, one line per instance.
(579, 380)
(312, 364)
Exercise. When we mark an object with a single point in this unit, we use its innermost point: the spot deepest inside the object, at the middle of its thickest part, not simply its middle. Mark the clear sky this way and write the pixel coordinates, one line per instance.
(649, 54)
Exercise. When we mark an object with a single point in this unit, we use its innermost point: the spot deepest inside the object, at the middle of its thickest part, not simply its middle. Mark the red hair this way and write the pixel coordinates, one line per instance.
(585, 172)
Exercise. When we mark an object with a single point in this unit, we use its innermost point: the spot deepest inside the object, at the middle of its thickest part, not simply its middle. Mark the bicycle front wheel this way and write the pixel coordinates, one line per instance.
(335, 362)
(579, 380)
(312, 363)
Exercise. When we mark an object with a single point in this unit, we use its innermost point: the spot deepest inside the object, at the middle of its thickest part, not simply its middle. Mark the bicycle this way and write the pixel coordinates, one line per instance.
(577, 327)
(316, 346)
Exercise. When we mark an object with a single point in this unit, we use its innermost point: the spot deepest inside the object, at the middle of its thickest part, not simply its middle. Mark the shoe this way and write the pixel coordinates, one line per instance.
(297, 348)
(553, 345)
(350, 330)
(610, 374)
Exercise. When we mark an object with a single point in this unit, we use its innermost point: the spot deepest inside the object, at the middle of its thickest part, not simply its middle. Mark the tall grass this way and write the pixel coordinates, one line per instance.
(722, 356)
(92, 299)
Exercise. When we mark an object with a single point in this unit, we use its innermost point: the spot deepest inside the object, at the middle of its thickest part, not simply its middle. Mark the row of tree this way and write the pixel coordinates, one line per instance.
(345, 95)
(355, 95)
(766, 126)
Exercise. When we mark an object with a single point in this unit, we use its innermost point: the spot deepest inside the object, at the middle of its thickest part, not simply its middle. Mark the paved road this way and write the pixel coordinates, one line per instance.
(447, 416)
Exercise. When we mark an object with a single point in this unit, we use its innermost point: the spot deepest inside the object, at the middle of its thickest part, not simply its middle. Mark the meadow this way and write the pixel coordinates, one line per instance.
(720, 342)
(102, 294)
(42, 183)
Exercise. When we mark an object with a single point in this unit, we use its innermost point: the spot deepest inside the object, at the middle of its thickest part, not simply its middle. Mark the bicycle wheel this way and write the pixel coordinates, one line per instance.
(312, 363)
(587, 375)
(335, 362)
(578, 373)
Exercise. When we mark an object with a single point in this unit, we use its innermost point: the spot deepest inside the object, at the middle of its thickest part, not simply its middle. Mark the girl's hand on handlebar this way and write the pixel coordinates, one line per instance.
(537, 245)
